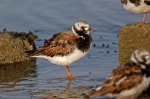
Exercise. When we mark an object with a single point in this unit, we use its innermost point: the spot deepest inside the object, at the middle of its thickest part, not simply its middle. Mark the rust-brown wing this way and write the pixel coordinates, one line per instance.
(122, 78)
(59, 45)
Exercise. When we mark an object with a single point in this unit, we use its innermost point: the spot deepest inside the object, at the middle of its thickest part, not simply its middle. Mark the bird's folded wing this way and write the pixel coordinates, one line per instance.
(122, 78)
(59, 45)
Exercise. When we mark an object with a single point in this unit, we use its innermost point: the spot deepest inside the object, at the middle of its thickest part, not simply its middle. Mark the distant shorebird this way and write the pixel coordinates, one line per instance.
(66, 47)
(127, 81)
(138, 7)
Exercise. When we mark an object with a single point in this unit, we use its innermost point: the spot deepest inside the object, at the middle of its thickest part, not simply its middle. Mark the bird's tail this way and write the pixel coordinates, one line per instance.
(30, 52)
(94, 93)
(91, 94)
(35, 52)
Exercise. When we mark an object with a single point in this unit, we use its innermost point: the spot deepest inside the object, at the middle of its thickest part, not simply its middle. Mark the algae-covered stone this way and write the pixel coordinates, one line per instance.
(13, 45)
(132, 37)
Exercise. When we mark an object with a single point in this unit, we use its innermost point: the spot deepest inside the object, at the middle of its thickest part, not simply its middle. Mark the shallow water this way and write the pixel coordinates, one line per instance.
(46, 17)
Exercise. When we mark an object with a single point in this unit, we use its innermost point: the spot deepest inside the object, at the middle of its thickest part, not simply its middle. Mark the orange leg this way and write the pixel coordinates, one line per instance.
(144, 16)
(69, 73)
(143, 20)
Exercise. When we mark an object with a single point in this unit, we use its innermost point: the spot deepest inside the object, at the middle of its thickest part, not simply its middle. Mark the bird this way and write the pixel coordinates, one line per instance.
(66, 47)
(138, 7)
(127, 81)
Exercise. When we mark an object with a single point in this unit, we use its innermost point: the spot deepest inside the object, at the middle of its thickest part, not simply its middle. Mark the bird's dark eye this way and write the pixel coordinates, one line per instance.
(143, 57)
(83, 27)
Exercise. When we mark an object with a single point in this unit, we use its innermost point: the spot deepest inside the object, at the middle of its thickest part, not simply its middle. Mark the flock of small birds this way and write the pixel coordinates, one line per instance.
(127, 81)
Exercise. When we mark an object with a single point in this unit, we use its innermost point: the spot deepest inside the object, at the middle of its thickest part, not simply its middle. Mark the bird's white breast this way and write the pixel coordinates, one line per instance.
(140, 9)
(65, 60)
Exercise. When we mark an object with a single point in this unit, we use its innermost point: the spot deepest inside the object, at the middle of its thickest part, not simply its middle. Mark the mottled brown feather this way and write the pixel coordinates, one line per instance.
(59, 45)
(122, 78)
(135, 2)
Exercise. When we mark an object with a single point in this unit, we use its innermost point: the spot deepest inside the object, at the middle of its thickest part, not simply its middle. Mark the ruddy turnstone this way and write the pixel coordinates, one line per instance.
(66, 47)
(127, 81)
(138, 7)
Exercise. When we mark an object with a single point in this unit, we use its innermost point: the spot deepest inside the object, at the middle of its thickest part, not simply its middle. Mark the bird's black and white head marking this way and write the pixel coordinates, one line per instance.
(82, 27)
(141, 57)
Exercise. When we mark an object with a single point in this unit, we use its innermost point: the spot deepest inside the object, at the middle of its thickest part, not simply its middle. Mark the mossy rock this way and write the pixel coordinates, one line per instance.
(132, 37)
(13, 45)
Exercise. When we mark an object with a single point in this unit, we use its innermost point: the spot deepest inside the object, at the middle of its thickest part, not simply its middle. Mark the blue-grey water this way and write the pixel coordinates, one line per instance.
(46, 17)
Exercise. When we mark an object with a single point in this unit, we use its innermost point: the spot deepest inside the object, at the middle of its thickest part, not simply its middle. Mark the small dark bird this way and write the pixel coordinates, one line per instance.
(66, 47)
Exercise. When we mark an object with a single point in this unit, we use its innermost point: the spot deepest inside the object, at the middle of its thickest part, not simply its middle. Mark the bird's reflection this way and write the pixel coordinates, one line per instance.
(64, 88)
(68, 85)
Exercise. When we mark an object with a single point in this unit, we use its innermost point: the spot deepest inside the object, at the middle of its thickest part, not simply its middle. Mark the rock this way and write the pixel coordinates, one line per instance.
(132, 37)
(13, 45)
